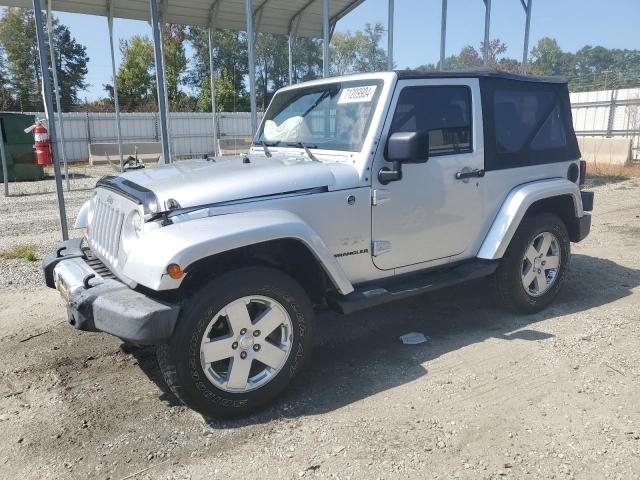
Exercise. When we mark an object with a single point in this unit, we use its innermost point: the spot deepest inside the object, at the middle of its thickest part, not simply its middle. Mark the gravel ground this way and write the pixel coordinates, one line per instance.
(490, 395)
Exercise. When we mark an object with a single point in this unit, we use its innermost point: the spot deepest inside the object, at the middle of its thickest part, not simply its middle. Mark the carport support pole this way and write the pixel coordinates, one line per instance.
(487, 23)
(290, 46)
(525, 51)
(325, 38)
(252, 68)
(443, 34)
(116, 100)
(5, 172)
(162, 106)
(212, 81)
(166, 87)
(54, 71)
(390, 37)
(48, 108)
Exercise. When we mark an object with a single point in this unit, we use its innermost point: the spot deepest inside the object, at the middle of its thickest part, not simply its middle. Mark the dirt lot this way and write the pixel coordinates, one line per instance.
(490, 395)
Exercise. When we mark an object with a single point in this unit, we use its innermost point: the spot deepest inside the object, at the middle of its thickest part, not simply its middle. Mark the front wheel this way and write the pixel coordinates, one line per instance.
(535, 264)
(239, 342)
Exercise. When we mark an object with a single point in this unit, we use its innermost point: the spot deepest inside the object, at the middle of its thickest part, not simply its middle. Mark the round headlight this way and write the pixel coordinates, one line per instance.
(132, 230)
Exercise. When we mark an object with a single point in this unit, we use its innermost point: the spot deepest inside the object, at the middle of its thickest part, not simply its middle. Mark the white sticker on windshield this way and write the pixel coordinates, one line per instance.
(357, 94)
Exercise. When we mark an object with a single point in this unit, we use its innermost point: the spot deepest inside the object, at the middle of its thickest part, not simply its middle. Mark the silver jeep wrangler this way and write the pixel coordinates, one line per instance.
(356, 191)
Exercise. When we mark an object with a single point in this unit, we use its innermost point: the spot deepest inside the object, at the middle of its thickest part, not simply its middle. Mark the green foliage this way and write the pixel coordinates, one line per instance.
(135, 77)
(22, 77)
(71, 64)
(6, 99)
(230, 66)
(175, 63)
(18, 39)
(590, 68)
(358, 52)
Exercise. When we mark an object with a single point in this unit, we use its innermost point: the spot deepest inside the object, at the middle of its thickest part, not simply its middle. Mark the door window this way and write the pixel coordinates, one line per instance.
(445, 112)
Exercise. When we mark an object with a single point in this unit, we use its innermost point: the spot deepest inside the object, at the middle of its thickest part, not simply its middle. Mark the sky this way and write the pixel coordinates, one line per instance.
(574, 23)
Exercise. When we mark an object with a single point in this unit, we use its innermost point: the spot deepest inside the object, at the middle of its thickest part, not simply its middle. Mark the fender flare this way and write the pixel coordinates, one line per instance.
(515, 207)
(187, 242)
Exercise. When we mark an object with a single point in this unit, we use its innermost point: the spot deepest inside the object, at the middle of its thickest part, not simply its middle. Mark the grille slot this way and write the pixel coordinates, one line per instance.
(105, 230)
(96, 264)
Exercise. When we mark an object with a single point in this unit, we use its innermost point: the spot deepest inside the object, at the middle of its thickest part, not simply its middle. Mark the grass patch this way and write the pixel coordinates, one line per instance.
(603, 174)
(26, 252)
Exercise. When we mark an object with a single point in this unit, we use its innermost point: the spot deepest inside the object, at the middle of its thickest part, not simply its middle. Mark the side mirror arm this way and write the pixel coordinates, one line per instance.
(387, 175)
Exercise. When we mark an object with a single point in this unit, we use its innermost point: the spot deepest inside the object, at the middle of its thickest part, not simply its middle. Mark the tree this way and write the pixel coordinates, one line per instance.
(370, 56)
(307, 59)
(18, 39)
(469, 57)
(547, 58)
(6, 99)
(71, 64)
(229, 59)
(272, 66)
(135, 77)
(175, 63)
(17, 36)
(358, 52)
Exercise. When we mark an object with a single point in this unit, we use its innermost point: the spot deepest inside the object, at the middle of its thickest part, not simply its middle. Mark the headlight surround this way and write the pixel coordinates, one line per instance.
(132, 230)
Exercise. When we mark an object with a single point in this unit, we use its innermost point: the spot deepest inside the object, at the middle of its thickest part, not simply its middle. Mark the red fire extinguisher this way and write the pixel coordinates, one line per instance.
(42, 143)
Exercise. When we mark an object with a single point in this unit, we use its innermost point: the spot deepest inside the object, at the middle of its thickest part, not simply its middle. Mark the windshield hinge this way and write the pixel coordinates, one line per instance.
(379, 196)
(378, 247)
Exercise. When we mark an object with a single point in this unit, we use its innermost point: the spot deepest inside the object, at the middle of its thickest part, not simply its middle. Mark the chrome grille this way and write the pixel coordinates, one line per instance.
(105, 228)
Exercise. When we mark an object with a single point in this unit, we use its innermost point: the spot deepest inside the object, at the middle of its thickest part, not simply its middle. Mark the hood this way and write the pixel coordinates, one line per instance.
(201, 182)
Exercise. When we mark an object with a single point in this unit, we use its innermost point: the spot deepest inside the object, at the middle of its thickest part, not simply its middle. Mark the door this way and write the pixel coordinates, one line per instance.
(431, 213)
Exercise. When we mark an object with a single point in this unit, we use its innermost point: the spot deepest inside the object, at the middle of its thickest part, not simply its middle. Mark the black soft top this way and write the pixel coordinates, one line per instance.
(487, 73)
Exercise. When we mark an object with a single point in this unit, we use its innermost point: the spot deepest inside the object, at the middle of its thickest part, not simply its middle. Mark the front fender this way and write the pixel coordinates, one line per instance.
(82, 220)
(187, 242)
(516, 205)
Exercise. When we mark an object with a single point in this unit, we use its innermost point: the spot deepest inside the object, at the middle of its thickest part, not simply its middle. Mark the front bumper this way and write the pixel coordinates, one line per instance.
(97, 303)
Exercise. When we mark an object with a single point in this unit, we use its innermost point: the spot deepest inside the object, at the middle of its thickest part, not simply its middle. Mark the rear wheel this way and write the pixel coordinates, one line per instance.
(239, 341)
(535, 264)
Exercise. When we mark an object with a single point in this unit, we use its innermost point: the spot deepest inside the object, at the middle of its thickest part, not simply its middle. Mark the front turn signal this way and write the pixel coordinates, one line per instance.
(175, 271)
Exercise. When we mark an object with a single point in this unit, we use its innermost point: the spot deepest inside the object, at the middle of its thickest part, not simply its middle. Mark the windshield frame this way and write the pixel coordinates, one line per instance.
(298, 92)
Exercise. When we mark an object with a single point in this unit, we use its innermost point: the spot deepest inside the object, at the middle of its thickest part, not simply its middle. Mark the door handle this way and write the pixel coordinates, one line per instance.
(478, 172)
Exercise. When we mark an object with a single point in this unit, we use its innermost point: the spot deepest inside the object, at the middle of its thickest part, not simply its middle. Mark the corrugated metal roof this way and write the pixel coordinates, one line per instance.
(271, 16)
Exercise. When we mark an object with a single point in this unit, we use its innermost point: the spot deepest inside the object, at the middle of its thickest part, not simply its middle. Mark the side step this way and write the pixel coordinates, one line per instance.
(392, 289)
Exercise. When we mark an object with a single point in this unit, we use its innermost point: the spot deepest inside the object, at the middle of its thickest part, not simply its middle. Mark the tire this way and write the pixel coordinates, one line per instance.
(513, 272)
(218, 310)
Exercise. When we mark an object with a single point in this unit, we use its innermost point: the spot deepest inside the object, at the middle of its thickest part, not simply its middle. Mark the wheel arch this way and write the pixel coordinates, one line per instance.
(559, 196)
(216, 240)
(288, 255)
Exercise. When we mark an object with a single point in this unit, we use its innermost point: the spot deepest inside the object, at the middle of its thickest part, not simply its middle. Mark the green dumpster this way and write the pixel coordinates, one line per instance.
(18, 147)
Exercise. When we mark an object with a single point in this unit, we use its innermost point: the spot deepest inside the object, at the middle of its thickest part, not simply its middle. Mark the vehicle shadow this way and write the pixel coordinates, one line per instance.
(360, 355)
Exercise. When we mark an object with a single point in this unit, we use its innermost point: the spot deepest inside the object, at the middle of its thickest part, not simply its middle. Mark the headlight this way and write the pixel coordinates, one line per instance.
(132, 230)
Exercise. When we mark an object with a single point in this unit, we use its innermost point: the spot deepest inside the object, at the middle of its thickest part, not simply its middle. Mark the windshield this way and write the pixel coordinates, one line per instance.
(334, 116)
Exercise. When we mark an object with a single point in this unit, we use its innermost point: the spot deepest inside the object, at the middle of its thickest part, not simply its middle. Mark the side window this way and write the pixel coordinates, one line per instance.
(526, 119)
(551, 134)
(445, 112)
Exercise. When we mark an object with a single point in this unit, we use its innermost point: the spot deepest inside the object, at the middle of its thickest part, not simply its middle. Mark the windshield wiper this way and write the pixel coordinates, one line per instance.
(307, 149)
(265, 146)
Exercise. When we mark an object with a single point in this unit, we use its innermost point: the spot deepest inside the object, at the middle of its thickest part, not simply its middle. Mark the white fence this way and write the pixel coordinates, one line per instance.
(608, 113)
(191, 134)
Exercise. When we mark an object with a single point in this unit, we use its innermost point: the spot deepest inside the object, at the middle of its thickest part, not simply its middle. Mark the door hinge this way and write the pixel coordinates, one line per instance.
(378, 247)
(379, 196)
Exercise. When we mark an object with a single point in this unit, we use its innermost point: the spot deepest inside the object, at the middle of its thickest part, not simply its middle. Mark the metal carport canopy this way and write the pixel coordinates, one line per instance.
(271, 16)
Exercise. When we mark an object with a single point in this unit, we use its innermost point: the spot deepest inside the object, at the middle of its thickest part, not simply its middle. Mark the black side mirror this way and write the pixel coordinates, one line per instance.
(404, 147)
(408, 147)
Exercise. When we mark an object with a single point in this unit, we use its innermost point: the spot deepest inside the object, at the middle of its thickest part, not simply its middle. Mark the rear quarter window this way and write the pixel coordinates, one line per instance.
(526, 123)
